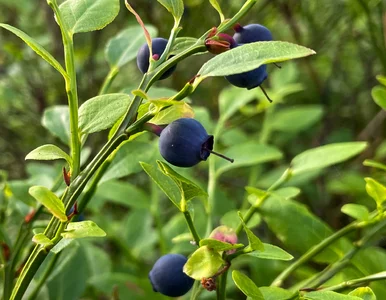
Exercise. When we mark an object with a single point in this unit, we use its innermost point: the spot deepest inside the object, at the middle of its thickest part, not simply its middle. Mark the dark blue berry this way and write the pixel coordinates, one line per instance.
(158, 46)
(250, 79)
(167, 277)
(251, 33)
(184, 143)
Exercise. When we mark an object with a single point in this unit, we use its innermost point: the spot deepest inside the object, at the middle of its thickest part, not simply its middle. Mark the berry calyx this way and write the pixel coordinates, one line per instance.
(185, 143)
(167, 276)
(158, 46)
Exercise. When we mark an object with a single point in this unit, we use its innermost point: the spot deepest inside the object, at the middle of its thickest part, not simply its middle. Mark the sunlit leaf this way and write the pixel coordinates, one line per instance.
(48, 152)
(76, 230)
(50, 201)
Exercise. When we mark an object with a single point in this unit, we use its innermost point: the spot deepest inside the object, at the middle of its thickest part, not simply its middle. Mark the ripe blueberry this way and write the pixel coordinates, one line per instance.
(251, 33)
(158, 46)
(184, 143)
(167, 277)
(250, 79)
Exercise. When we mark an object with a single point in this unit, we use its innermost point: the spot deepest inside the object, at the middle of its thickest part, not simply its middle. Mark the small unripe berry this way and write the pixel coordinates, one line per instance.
(158, 46)
(251, 33)
(167, 276)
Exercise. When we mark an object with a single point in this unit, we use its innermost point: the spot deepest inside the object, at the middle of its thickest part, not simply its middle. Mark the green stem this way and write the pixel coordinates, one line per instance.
(71, 88)
(333, 269)
(284, 178)
(316, 250)
(108, 80)
(47, 272)
(228, 24)
(192, 228)
(356, 282)
(211, 194)
(221, 288)
(155, 210)
(33, 263)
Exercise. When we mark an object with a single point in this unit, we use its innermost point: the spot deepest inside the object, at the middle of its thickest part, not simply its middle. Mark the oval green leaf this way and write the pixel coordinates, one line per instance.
(76, 230)
(217, 7)
(254, 241)
(175, 7)
(379, 96)
(49, 152)
(124, 47)
(50, 201)
(172, 113)
(42, 239)
(328, 295)
(356, 211)
(88, 15)
(376, 190)
(247, 154)
(35, 46)
(182, 43)
(101, 112)
(246, 285)
(57, 120)
(203, 263)
(324, 156)
(365, 293)
(219, 245)
(272, 252)
(251, 56)
(381, 79)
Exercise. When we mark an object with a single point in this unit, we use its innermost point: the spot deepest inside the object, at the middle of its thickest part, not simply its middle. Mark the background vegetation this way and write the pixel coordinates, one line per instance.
(318, 100)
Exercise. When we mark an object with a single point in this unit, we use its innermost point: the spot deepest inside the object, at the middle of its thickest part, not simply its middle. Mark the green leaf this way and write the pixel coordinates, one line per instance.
(321, 295)
(57, 120)
(165, 183)
(325, 156)
(287, 192)
(88, 15)
(256, 196)
(297, 118)
(126, 161)
(50, 201)
(251, 56)
(76, 230)
(172, 113)
(299, 229)
(203, 263)
(219, 245)
(217, 7)
(124, 46)
(275, 293)
(248, 154)
(35, 46)
(365, 293)
(63, 243)
(42, 239)
(357, 211)
(101, 112)
(231, 219)
(123, 193)
(379, 96)
(49, 152)
(272, 252)
(175, 7)
(181, 44)
(246, 285)
(188, 188)
(376, 190)
(381, 79)
(374, 164)
(231, 99)
(254, 241)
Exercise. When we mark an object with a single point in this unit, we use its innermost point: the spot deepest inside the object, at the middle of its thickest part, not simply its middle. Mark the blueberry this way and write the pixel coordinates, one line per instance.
(158, 46)
(250, 79)
(167, 277)
(184, 143)
(251, 33)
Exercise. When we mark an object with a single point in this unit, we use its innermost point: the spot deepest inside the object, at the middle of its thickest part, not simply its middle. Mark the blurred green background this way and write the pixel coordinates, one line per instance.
(321, 99)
